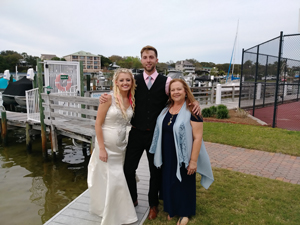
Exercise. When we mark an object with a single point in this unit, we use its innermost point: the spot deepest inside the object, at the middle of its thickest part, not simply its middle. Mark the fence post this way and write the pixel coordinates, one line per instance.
(42, 116)
(233, 92)
(212, 91)
(277, 80)
(241, 83)
(218, 94)
(258, 91)
(255, 80)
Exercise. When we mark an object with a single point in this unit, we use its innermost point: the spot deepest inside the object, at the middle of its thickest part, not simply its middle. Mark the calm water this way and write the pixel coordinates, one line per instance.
(33, 190)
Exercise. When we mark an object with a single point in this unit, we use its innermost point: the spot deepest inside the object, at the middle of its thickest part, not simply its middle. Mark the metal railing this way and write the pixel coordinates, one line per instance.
(32, 104)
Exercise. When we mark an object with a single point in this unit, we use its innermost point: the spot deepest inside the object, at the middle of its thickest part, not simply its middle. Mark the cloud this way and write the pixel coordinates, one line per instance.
(204, 30)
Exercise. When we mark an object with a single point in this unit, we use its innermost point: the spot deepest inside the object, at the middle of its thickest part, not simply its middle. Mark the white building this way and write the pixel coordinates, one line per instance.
(185, 66)
(91, 63)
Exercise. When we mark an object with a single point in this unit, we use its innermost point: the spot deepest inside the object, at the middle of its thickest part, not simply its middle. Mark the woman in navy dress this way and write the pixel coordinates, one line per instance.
(176, 143)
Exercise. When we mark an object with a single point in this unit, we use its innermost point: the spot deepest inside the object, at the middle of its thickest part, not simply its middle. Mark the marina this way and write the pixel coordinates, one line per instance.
(55, 116)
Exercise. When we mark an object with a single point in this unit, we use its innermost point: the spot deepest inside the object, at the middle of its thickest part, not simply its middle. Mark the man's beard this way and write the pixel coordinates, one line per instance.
(149, 70)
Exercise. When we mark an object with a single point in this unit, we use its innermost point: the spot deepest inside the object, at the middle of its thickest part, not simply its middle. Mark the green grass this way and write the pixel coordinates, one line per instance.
(253, 137)
(237, 198)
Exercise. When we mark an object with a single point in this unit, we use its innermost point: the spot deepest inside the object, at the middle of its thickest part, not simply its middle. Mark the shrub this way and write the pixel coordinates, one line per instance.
(222, 113)
(213, 110)
(221, 107)
(206, 112)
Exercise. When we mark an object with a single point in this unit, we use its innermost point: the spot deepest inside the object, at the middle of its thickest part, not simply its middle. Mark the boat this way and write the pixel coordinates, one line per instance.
(16, 90)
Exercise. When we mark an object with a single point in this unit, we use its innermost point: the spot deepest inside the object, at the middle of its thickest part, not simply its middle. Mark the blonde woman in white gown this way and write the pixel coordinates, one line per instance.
(109, 194)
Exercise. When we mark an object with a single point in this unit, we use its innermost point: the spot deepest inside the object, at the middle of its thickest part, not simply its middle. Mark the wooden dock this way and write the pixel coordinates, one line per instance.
(77, 212)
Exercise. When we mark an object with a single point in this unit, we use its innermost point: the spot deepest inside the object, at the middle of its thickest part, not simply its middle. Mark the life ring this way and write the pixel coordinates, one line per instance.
(58, 83)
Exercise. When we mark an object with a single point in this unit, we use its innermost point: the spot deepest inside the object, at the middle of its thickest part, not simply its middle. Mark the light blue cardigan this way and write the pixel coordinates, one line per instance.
(183, 138)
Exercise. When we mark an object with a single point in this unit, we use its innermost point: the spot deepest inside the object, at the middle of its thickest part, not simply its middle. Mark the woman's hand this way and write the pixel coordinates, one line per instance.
(192, 168)
(103, 155)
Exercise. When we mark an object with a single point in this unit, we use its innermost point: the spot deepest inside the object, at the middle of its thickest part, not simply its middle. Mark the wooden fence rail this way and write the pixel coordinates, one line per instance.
(71, 116)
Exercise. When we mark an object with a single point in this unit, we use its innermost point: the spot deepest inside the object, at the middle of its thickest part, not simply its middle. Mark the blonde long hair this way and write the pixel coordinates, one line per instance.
(116, 91)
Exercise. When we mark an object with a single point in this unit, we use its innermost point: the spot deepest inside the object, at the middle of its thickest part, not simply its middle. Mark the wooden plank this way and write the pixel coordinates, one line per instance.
(73, 135)
(68, 117)
(90, 111)
(73, 99)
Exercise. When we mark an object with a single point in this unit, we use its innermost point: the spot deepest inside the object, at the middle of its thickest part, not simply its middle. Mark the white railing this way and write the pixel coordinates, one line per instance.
(71, 92)
(32, 102)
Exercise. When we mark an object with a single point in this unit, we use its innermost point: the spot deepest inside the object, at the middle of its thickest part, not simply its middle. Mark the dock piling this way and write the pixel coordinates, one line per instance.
(3, 127)
(28, 138)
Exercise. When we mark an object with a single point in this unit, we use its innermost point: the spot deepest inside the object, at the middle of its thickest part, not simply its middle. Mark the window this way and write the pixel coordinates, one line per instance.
(82, 57)
(74, 57)
(95, 62)
(95, 67)
(96, 58)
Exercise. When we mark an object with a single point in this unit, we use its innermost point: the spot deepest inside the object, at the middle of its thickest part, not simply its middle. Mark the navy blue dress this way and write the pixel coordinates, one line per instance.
(179, 197)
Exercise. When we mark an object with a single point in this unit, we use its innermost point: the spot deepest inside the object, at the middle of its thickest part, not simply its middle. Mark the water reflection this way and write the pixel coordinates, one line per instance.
(32, 190)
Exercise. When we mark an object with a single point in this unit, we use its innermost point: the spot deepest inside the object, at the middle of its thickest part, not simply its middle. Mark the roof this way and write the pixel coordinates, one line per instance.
(47, 56)
(82, 53)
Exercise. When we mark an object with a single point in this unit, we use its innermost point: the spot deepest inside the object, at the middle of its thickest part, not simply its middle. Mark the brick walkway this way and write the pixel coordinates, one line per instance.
(264, 164)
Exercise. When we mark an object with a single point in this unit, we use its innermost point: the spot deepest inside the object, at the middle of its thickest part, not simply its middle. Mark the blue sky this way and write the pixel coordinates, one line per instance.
(203, 30)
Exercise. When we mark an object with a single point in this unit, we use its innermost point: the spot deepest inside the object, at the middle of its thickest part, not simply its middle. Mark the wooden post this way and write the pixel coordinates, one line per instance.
(28, 138)
(53, 135)
(42, 116)
(81, 80)
(212, 94)
(92, 144)
(88, 82)
(53, 139)
(82, 87)
(3, 127)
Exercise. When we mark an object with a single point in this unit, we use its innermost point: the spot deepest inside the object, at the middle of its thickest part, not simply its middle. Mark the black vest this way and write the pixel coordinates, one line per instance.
(149, 103)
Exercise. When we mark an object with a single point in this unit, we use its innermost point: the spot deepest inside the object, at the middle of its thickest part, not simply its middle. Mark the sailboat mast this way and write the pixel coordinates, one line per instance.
(234, 47)
(232, 52)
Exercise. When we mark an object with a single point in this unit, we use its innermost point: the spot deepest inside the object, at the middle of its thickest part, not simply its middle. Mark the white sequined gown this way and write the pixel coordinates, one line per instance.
(109, 194)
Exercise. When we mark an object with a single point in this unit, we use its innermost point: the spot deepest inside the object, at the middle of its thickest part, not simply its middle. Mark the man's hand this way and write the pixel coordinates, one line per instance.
(196, 109)
(103, 98)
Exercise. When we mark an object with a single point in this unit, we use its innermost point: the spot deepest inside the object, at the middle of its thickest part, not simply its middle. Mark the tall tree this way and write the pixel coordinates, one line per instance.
(9, 60)
(105, 62)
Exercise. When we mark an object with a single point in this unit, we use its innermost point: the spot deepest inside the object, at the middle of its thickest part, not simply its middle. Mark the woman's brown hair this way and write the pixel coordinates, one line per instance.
(189, 98)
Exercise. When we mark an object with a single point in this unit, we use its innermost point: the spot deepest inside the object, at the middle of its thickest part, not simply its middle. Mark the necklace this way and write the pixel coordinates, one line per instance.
(173, 116)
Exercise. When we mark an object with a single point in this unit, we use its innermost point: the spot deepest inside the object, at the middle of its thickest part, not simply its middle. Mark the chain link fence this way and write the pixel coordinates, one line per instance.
(270, 81)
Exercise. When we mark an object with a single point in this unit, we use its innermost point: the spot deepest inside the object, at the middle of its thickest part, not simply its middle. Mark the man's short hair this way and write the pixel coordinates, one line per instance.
(147, 48)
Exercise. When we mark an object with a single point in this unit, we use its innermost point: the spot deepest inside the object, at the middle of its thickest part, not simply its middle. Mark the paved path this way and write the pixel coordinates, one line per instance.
(264, 164)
